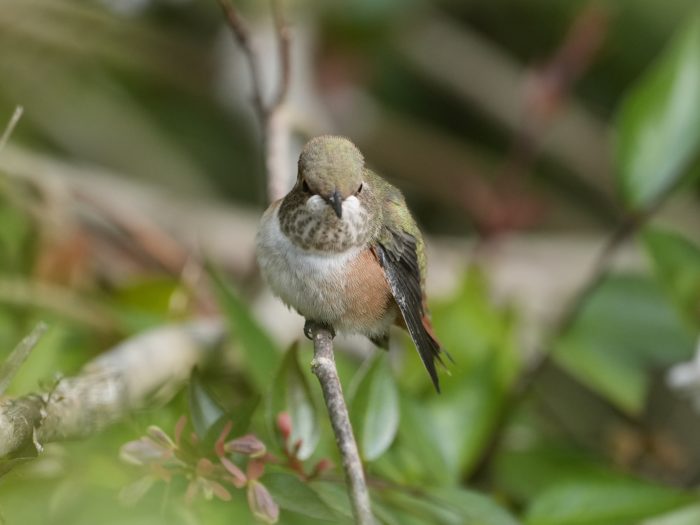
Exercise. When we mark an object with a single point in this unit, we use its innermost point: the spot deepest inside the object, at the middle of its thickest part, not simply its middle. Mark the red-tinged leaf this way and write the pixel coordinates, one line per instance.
(248, 445)
(255, 469)
(238, 478)
(159, 436)
(261, 503)
(322, 466)
(204, 467)
(179, 428)
(143, 451)
(219, 447)
(220, 491)
(284, 425)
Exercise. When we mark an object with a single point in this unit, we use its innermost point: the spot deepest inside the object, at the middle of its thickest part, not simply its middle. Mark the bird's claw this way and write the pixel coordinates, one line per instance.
(310, 328)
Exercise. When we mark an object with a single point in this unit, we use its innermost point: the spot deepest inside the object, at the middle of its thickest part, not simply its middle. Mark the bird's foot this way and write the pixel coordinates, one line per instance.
(310, 328)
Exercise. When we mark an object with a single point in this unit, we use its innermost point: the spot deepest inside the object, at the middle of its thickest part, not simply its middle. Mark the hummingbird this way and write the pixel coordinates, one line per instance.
(342, 249)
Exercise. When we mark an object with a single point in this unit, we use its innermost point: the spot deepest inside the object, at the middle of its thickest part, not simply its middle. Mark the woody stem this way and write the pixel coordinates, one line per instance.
(323, 366)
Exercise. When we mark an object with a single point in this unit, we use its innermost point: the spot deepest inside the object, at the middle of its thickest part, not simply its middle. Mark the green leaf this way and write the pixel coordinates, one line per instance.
(659, 122)
(467, 415)
(472, 328)
(677, 266)
(525, 472)
(472, 507)
(374, 409)
(293, 495)
(13, 362)
(422, 508)
(625, 328)
(6, 465)
(480, 336)
(334, 495)
(16, 239)
(290, 392)
(58, 352)
(416, 456)
(259, 351)
(612, 503)
(393, 516)
(450, 506)
(685, 516)
(145, 302)
(206, 412)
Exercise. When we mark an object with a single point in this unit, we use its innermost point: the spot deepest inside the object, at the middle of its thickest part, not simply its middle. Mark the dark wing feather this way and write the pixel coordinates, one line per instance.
(397, 253)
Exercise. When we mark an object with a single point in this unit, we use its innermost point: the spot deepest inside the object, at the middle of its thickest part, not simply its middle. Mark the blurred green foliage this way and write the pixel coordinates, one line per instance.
(256, 437)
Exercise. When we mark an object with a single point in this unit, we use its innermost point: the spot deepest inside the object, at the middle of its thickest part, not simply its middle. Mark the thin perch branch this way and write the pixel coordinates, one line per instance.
(323, 367)
(275, 137)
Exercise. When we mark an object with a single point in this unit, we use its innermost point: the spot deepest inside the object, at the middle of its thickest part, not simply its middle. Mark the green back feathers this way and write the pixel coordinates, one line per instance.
(396, 218)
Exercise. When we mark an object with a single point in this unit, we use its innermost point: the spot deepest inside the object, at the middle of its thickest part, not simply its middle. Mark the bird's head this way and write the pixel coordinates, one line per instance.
(331, 206)
(331, 169)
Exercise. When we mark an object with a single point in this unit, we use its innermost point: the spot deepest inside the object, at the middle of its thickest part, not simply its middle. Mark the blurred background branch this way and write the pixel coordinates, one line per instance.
(273, 122)
(123, 379)
(524, 135)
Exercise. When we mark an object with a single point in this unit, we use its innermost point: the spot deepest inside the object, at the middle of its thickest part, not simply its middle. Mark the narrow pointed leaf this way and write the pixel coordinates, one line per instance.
(9, 368)
(293, 495)
(677, 266)
(659, 123)
(206, 412)
(375, 409)
(291, 394)
(260, 353)
(686, 516)
(603, 503)
(625, 328)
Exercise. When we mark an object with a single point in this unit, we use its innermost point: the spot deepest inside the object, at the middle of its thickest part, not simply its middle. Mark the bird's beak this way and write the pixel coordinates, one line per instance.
(336, 202)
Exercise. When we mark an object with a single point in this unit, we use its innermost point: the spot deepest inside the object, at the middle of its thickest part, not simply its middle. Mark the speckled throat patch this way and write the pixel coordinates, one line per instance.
(323, 231)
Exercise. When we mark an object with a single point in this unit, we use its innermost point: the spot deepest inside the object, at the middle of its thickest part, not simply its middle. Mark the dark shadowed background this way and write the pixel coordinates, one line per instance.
(549, 151)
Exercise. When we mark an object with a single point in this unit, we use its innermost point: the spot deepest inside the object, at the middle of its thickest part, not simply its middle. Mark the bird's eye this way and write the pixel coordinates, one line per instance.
(359, 189)
(305, 187)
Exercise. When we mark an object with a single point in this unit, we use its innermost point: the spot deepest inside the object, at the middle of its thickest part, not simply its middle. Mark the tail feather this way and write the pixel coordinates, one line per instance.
(429, 349)
(404, 277)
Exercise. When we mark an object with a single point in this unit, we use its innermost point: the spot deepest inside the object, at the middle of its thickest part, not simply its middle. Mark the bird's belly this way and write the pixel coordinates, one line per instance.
(346, 290)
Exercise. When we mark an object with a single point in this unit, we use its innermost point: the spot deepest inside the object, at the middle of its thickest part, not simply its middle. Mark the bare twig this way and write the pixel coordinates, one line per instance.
(273, 125)
(14, 119)
(9, 368)
(576, 138)
(323, 366)
(240, 31)
(125, 378)
(284, 47)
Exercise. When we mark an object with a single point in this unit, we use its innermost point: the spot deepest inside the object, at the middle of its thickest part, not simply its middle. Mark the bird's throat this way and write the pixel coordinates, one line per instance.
(320, 229)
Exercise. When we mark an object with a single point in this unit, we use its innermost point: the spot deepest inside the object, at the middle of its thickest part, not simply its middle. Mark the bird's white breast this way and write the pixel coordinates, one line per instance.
(312, 282)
